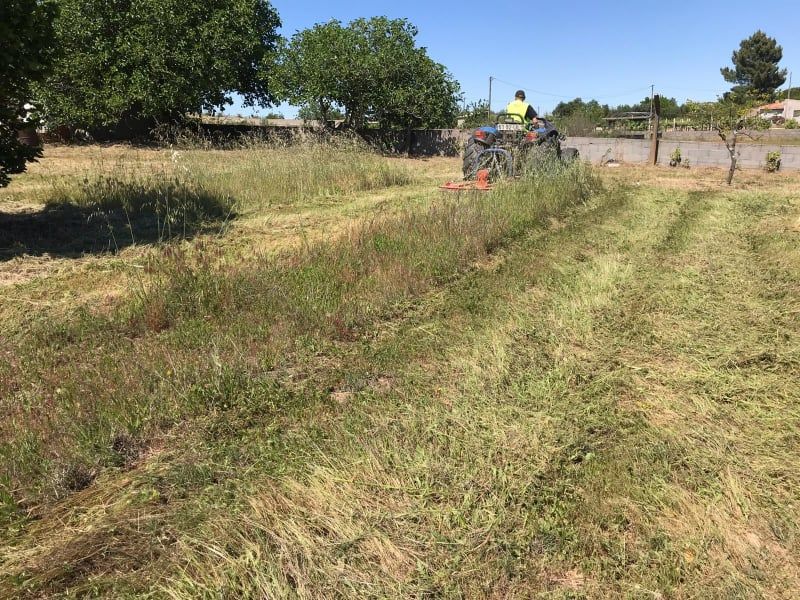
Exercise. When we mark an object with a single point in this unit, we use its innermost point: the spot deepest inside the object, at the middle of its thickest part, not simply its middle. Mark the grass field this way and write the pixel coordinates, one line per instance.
(227, 375)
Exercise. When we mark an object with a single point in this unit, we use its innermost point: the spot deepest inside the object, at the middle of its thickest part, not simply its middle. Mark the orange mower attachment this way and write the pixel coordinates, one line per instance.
(481, 183)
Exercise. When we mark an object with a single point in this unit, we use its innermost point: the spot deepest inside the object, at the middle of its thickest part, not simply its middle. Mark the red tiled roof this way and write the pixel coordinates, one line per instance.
(773, 106)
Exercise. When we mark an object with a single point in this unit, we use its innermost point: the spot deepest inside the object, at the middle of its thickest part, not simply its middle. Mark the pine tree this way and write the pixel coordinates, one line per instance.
(756, 72)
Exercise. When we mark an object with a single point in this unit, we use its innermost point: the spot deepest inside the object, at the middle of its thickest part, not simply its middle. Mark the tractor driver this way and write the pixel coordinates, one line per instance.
(522, 109)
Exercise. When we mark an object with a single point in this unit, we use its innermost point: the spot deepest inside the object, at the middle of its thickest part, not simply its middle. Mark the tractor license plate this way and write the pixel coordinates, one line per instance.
(509, 127)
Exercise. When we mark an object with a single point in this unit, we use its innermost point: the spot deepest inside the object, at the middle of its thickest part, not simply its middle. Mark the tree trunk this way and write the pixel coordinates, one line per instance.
(409, 142)
(730, 144)
(732, 151)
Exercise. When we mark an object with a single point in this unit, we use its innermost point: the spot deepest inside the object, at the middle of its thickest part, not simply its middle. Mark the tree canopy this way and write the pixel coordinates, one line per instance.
(25, 31)
(312, 112)
(755, 67)
(372, 70)
(156, 59)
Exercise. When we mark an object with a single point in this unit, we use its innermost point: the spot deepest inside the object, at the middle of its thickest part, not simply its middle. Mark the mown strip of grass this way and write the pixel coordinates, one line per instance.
(593, 434)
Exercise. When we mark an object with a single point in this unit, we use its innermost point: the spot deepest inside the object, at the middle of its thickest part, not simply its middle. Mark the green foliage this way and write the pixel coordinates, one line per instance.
(773, 161)
(592, 109)
(577, 117)
(670, 108)
(581, 117)
(791, 124)
(725, 115)
(675, 158)
(371, 69)
(25, 31)
(476, 114)
(313, 112)
(157, 59)
(793, 93)
(755, 67)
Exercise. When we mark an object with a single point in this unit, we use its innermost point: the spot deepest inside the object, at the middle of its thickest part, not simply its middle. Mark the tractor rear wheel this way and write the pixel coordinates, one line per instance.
(471, 151)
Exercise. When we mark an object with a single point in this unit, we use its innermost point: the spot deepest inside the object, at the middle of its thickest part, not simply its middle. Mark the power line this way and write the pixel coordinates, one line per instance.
(530, 89)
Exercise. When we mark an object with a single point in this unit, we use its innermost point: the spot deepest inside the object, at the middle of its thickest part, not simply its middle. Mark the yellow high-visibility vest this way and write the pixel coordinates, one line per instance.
(518, 107)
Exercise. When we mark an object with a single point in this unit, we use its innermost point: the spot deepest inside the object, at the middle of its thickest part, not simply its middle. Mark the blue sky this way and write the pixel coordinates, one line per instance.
(610, 51)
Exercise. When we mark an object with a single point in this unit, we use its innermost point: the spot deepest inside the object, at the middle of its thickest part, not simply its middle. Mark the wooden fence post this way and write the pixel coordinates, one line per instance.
(654, 132)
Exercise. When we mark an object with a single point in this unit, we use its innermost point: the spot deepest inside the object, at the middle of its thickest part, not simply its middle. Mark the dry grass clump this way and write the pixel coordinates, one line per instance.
(278, 174)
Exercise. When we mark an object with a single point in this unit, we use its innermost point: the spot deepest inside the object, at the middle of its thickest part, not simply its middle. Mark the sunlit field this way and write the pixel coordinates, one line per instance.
(304, 371)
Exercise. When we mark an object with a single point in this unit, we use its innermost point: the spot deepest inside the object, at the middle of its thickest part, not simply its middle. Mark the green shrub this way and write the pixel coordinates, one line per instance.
(675, 158)
(791, 124)
(773, 161)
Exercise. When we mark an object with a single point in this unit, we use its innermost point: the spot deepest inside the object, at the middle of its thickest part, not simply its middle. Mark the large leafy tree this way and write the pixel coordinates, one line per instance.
(157, 59)
(406, 88)
(25, 32)
(755, 67)
(592, 109)
(320, 70)
(372, 70)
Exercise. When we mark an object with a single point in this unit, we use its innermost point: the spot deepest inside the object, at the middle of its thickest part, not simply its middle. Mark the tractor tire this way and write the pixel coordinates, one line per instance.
(471, 151)
(569, 154)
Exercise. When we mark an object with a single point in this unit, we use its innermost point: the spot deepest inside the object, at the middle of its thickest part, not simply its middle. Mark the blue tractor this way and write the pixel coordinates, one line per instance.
(503, 148)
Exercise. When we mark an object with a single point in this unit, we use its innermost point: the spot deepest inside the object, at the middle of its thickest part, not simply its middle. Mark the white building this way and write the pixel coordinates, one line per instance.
(788, 109)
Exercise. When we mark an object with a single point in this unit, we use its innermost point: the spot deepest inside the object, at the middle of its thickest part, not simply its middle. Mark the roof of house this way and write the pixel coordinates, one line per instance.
(773, 106)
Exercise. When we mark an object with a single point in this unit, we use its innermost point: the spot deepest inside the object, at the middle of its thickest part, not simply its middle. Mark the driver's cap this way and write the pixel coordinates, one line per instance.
(520, 94)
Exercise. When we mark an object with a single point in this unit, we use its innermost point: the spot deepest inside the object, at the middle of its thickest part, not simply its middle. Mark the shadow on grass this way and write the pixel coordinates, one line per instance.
(108, 215)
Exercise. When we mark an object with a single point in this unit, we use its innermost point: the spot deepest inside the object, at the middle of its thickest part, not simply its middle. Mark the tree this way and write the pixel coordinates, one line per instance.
(755, 69)
(25, 31)
(408, 88)
(730, 120)
(312, 112)
(152, 60)
(318, 68)
(370, 69)
(577, 117)
(476, 114)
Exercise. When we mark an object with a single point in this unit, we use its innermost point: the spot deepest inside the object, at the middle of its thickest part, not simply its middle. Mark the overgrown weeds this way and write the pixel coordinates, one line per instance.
(261, 174)
(152, 362)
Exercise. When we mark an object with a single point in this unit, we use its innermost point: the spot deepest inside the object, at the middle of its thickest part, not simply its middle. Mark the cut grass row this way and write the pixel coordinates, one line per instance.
(601, 427)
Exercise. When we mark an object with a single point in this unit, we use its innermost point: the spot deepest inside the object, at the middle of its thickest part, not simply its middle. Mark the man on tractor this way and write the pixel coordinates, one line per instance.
(522, 109)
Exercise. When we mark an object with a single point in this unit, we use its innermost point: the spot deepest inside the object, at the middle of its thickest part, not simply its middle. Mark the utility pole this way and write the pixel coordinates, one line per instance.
(789, 91)
(489, 109)
(650, 118)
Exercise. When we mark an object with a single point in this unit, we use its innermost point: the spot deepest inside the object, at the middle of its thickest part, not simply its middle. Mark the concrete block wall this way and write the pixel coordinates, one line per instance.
(771, 137)
(598, 150)
(699, 154)
(602, 150)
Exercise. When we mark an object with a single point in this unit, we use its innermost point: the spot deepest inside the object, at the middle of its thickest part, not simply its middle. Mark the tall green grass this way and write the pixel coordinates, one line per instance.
(260, 174)
(149, 197)
(73, 387)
